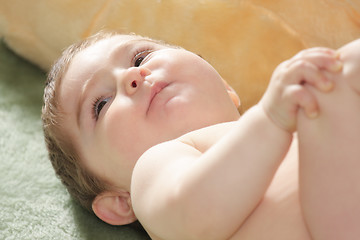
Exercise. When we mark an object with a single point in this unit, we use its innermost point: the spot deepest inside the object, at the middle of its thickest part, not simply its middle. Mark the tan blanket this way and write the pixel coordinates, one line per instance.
(244, 39)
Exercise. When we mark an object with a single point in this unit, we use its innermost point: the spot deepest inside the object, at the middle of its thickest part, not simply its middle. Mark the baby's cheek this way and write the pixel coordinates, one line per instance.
(113, 134)
(124, 140)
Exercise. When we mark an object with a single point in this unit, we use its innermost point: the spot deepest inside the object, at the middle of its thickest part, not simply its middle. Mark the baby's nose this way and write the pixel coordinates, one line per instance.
(134, 78)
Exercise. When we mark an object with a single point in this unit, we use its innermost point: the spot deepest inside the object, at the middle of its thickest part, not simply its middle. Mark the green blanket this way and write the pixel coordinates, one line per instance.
(33, 203)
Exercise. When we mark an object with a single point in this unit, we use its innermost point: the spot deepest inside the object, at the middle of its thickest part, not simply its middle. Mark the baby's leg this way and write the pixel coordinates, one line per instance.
(329, 148)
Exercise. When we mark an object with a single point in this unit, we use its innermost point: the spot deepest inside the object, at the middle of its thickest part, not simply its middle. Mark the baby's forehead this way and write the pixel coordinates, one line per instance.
(121, 42)
(109, 46)
(96, 54)
(122, 38)
(132, 39)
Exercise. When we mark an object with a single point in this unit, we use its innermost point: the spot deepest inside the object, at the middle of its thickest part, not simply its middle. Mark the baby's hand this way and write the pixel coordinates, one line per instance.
(287, 91)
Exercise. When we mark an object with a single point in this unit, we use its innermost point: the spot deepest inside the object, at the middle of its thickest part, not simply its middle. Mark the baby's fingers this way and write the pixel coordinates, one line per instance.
(304, 100)
(308, 73)
(323, 58)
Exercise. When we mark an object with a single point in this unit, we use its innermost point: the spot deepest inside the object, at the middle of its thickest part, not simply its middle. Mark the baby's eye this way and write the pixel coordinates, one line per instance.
(138, 61)
(139, 57)
(99, 105)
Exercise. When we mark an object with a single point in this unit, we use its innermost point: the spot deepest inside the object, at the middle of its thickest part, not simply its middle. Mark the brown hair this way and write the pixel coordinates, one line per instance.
(80, 183)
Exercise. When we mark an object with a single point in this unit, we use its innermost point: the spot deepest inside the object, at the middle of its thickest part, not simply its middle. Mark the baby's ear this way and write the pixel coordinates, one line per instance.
(233, 95)
(114, 207)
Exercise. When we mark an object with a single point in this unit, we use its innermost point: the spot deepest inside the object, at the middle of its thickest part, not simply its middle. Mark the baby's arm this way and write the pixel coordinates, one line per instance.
(180, 192)
(179, 189)
(330, 155)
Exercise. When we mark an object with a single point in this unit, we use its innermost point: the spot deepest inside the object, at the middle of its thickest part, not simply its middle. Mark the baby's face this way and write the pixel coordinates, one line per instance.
(125, 94)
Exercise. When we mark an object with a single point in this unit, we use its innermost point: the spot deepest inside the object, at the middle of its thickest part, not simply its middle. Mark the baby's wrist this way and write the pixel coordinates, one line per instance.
(283, 125)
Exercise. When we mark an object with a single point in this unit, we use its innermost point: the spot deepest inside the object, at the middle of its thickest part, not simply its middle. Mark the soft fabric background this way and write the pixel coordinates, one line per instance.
(33, 203)
(243, 39)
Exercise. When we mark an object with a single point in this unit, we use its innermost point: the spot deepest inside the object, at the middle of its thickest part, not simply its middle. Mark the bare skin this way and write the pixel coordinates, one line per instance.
(232, 179)
(330, 154)
(326, 204)
(278, 216)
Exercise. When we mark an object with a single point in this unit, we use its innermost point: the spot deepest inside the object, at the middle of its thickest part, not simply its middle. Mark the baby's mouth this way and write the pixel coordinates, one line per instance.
(156, 88)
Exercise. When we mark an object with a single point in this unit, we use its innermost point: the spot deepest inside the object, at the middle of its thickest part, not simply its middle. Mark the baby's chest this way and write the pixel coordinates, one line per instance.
(278, 216)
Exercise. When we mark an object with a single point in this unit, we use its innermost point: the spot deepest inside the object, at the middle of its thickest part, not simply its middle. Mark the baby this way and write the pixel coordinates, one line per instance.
(138, 129)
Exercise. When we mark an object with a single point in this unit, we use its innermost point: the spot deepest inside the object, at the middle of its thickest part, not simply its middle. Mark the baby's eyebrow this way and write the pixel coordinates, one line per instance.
(83, 96)
(125, 47)
(120, 48)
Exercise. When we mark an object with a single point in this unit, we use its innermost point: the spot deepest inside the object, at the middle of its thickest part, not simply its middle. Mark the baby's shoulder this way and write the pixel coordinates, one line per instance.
(202, 139)
(167, 158)
(155, 185)
(157, 176)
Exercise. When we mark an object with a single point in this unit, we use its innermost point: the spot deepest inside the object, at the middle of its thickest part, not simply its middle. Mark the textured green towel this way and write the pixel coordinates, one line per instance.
(33, 203)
